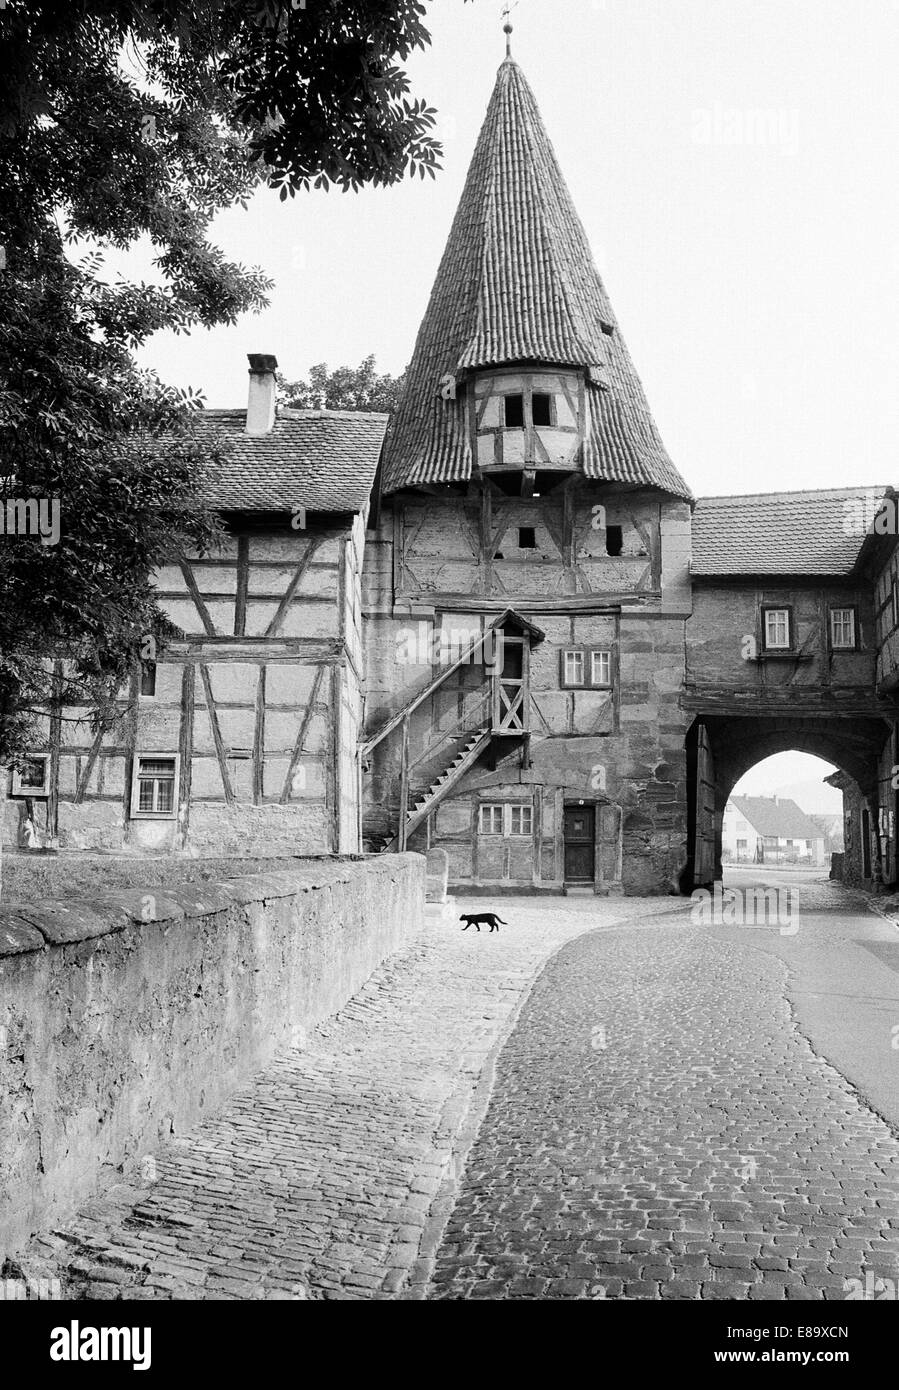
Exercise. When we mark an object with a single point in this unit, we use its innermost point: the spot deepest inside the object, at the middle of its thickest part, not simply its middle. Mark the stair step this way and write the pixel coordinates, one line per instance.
(445, 777)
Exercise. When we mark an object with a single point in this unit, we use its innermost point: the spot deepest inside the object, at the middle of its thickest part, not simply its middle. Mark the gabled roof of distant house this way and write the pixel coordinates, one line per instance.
(517, 284)
(777, 818)
(322, 460)
(779, 533)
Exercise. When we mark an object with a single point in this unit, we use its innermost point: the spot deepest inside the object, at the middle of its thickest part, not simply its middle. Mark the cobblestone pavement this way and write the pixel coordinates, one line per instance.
(660, 1128)
(331, 1175)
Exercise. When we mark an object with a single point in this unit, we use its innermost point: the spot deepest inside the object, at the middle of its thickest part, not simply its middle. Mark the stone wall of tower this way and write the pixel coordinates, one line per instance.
(440, 568)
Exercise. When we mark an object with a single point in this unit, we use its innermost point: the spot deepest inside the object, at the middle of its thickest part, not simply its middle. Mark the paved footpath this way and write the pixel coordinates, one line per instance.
(332, 1175)
(660, 1128)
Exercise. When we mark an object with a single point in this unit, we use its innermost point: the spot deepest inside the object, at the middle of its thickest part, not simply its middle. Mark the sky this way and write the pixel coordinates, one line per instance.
(734, 163)
(798, 776)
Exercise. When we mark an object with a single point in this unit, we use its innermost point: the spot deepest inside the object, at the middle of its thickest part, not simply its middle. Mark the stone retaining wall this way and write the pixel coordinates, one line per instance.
(126, 1018)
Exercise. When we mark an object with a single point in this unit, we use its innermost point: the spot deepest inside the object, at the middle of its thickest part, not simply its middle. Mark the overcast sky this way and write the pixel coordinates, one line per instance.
(735, 164)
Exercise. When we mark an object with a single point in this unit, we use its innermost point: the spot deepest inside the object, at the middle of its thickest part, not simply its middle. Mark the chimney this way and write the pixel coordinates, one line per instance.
(261, 400)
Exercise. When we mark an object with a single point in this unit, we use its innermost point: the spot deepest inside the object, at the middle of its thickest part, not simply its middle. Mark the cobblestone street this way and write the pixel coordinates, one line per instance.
(649, 1123)
(332, 1173)
(660, 1128)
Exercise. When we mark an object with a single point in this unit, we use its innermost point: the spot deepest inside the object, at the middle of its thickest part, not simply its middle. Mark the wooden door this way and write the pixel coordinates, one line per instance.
(580, 844)
(704, 866)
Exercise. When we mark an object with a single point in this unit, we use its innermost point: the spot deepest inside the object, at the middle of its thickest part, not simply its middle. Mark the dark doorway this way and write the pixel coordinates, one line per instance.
(580, 844)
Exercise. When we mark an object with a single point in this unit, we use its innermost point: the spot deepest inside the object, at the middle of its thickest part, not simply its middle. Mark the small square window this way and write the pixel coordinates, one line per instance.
(527, 538)
(842, 629)
(777, 629)
(33, 778)
(490, 820)
(154, 789)
(522, 820)
(514, 416)
(614, 540)
(542, 406)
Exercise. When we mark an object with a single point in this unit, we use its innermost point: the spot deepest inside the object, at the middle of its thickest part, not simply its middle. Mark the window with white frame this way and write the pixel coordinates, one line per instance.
(585, 668)
(842, 629)
(777, 629)
(33, 777)
(491, 820)
(504, 818)
(573, 668)
(601, 668)
(155, 786)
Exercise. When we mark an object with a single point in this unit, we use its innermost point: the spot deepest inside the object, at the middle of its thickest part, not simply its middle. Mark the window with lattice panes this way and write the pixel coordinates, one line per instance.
(490, 819)
(155, 785)
(601, 668)
(573, 665)
(777, 629)
(586, 668)
(842, 629)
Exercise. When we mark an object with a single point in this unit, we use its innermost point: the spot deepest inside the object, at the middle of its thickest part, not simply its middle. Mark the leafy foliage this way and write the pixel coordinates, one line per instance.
(128, 119)
(346, 388)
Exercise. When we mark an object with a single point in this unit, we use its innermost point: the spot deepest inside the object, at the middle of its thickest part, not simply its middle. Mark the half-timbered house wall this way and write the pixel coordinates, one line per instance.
(256, 710)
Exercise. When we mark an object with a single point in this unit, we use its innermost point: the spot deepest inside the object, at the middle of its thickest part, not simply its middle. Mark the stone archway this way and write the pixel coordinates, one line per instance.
(722, 747)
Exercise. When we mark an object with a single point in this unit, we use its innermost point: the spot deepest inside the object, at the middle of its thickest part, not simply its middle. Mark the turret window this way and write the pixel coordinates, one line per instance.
(514, 416)
(543, 410)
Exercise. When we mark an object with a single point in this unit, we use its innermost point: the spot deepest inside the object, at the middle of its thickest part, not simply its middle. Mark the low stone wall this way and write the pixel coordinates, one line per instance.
(126, 1017)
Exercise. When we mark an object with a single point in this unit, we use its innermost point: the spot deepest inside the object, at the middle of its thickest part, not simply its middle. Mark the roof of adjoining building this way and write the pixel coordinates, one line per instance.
(777, 817)
(789, 533)
(322, 460)
(517, 283)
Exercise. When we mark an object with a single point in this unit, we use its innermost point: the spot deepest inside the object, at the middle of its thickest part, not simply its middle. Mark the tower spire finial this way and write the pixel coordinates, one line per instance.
(507, 27)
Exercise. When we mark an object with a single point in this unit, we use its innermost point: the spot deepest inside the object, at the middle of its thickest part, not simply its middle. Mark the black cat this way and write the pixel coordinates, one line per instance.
(474, 919)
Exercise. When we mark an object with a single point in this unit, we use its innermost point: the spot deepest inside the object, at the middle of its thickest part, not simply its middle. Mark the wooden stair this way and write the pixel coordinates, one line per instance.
(467, 756)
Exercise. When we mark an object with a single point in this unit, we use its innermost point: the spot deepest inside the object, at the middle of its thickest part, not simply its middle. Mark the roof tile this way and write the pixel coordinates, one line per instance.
(323, 460)
(777, 816)
(780, 533)
(517, 283)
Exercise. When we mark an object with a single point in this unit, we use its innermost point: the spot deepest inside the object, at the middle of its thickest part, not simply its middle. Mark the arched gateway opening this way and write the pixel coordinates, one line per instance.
(721, 748)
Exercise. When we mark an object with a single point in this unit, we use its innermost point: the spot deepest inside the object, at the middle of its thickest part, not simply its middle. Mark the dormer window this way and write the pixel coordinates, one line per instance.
(543, 410)
(514, 418)
(527, 426)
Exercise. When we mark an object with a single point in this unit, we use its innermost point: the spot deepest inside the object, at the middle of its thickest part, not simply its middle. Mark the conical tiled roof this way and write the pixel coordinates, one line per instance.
(517, 283)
